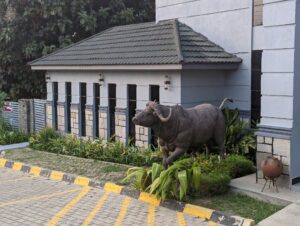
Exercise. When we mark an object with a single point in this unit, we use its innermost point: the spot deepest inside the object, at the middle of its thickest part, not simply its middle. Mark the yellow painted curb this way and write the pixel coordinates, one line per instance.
(198, 211)
(17, 166)
(149, 198)
(35, 170)
(212, 223)
(84, 181)
(111, 187)
(2, 162)
(248, 222)
(56, 175)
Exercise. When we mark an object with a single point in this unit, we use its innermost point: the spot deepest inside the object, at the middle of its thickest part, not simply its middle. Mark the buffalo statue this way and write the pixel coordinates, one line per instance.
(180, 130)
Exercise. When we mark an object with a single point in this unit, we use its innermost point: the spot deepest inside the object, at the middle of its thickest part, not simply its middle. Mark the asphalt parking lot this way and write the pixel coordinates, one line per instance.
(32, 200)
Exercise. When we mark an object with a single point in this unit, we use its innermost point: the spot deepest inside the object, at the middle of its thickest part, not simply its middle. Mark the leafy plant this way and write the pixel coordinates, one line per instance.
(192, 176)
(49, 140)
(2, 99)
(240, 139)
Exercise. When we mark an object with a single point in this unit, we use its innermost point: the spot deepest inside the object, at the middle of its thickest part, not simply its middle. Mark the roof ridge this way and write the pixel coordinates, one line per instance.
(177, 40)
(69, 46)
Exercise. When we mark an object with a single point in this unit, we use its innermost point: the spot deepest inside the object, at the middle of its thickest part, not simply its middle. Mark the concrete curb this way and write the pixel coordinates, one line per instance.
(212, 216)
(13, 146)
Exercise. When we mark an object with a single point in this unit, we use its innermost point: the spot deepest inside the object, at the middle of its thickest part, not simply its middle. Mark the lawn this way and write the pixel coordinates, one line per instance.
(238, 204)
(230, 203)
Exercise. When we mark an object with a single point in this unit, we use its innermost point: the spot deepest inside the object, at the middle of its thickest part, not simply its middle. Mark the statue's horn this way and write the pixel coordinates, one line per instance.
(163, 119)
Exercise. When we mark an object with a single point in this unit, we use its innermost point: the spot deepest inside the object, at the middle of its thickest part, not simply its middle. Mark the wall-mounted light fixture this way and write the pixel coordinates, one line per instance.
(48, 78)
(167, 82)
(101, 79)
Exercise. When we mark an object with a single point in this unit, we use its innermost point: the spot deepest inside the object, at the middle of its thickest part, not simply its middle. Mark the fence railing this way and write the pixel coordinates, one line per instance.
(27, 114)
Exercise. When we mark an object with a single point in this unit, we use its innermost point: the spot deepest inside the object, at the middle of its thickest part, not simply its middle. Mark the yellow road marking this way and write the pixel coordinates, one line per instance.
(211, 223)
(93, 213)
(110, 187)
(2, 162)
(17, 166)
(198, 211)
(180, 218)
(151, 215)
(35, 170)
(56, 175)
(123, 211)
(82, 181)
(35, 198)
(67, 207)
(148, 198)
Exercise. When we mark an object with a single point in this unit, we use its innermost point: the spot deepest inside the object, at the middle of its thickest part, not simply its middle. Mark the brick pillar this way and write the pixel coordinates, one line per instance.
(61, 117)
(24, 115)
(120, 121)
(279, 148)
(89, 117)
(75, 119)
(141, 135)
(103, 111)
(49, 115)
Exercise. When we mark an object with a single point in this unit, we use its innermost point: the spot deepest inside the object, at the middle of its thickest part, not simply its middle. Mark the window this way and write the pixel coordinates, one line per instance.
(256, 85)
(68, 107)
(55, 99)
(257, 12)
(96, 109)
(82, 109)
(112, 108)
(154, 96)
(131, 89)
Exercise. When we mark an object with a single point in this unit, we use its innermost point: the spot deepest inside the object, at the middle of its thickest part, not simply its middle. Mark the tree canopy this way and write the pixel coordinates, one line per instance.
(30, 29)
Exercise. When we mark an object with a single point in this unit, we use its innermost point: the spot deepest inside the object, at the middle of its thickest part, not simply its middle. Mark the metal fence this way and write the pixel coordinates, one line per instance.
(39, 114)
(13, 116)
(27, 115)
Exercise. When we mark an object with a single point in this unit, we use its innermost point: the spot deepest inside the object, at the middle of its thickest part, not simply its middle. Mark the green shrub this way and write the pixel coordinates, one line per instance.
(238, 166)
(50, 141)
(194, 176)
(10, 136)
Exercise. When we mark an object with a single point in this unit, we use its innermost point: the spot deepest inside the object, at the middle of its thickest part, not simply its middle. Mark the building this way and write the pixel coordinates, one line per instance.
(94, 86)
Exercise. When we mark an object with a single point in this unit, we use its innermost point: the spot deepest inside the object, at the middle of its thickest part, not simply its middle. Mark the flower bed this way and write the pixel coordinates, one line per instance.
(10, 136)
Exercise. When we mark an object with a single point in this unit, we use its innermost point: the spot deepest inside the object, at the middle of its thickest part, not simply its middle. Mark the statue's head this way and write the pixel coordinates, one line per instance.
(151, 115)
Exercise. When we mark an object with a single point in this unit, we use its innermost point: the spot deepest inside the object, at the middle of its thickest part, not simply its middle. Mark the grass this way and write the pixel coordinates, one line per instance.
(238, 204)
(94, 169)
(230, 203)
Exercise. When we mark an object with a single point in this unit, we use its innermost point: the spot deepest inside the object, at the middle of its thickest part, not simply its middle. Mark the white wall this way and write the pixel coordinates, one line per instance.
(228, 23)
(278, 63)
(201, 86)
(121, 78)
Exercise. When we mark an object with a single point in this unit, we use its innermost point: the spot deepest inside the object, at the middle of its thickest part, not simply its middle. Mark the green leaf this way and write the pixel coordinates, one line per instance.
(183, 184)
(156, 170)
(196, 178)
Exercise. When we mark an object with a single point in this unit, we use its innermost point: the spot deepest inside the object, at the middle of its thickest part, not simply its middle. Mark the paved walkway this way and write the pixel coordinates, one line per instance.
(30, 200)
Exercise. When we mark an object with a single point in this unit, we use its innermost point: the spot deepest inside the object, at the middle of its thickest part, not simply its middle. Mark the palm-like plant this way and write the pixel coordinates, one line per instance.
(240, 138)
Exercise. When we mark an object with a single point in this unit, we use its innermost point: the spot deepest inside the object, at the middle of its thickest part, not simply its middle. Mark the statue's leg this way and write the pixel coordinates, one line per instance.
(165, 153)
(178, 152)
(219, 138)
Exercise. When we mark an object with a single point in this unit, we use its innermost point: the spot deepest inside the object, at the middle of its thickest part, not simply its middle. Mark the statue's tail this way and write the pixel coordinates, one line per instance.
(224, 101)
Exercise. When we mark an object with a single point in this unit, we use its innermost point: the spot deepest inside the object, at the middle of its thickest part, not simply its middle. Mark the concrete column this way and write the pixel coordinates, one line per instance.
(103, 122)
(75, 109)
(142, 134)
(89, 116)
(121, 113)
(49, 114)
(61, 107)
(49, 105)
(121, 125)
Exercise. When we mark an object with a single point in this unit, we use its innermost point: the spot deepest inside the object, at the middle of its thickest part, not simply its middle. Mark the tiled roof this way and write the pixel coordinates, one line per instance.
(167, 42)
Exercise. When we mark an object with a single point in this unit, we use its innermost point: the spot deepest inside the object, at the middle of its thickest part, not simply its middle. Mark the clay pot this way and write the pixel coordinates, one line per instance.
(271, 167)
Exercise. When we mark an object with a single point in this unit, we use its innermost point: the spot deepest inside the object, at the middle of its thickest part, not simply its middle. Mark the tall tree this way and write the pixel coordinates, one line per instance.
(30, 29)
